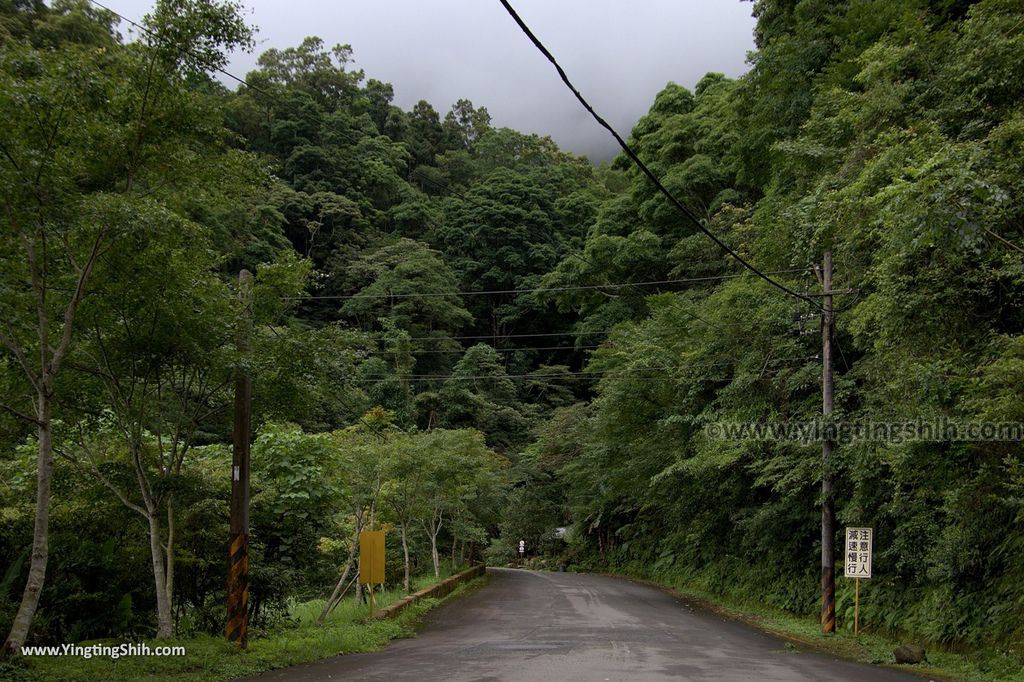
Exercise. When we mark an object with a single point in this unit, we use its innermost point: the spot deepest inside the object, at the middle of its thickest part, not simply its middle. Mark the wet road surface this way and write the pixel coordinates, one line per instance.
(525, 626)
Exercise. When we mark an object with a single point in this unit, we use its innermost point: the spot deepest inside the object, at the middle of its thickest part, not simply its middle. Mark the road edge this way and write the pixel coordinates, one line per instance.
(438, 591)
(757, 622)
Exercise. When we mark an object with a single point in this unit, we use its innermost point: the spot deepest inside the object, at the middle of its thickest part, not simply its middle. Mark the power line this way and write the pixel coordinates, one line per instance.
(450, 190)
(596, 332)
(686, 280)
(685, 311)
(585, 374)
(528, 375)
(611, 374)
(507, 336)
(641, 165)
(447, 187)
(496, 350)
(152, 33)
(692, 314)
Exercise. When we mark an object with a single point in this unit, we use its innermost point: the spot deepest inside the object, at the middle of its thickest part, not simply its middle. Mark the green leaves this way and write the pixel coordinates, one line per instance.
(195, 36)
(887, 133)
(409, 284)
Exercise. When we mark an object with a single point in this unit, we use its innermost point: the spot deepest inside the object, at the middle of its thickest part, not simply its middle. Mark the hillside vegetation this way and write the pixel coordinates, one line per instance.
(467, 336)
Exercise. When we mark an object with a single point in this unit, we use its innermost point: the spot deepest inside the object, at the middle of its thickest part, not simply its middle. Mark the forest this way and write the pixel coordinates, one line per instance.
(469, 337)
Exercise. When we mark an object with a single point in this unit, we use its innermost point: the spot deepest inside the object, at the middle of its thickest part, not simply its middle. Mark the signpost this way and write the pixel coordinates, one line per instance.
(522, 548)
(857, 559)
(371, 560)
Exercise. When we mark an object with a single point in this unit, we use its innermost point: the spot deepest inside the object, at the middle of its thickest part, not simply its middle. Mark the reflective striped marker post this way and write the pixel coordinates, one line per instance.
(237, 629)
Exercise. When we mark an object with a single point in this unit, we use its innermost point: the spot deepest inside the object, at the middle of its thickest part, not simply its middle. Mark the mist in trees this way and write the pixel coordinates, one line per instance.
(469, 337)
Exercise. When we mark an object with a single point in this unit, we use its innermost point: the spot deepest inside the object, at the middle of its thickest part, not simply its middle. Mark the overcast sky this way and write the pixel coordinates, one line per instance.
(620, 53)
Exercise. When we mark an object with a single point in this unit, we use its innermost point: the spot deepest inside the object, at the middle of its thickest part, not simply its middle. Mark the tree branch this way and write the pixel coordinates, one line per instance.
(19, 414)
(72, 308)
(11, 343)
(1005, 241)
(95, 472)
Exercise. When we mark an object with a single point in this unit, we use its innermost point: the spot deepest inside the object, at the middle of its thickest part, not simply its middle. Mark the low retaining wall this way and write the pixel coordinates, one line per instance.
(442, 589)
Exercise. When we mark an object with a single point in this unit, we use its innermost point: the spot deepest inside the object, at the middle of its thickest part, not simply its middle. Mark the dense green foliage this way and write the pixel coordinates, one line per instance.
(350, 212)
(889, 133)
(446, 341)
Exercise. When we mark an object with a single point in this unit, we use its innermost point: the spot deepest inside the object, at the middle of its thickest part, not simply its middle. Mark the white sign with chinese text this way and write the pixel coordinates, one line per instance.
(857, 552)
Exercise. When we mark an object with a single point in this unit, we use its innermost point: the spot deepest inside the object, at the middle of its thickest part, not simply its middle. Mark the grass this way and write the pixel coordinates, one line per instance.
(212, 659)
(983, 665)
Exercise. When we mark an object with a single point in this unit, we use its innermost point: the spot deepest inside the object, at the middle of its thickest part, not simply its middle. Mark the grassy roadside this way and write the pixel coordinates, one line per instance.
(985, 665)
(211, 659)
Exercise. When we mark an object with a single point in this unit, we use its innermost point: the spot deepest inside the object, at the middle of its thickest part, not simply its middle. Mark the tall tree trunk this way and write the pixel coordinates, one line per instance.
(405, 551)
(164, 628)
(41, 529)
(44, 380)
(455, 540)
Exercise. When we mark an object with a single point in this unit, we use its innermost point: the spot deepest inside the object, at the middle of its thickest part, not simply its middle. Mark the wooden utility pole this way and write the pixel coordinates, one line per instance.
(238, 554)
(828, 576)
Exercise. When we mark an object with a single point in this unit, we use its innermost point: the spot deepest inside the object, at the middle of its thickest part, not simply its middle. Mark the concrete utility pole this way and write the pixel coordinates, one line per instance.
(828, 577)
(238, 554)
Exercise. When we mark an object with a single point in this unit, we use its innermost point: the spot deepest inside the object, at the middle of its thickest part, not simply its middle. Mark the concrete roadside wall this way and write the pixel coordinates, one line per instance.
(442, 589)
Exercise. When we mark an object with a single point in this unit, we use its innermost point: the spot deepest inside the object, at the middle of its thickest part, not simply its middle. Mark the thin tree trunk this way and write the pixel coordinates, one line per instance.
(434, 555)
(41, 529)
(433, 527)
(355, 544)
(336, 595)
(170, 551)
(405, 551)
(164, 627)
(44, 380)
(455, 540)
(339, 589)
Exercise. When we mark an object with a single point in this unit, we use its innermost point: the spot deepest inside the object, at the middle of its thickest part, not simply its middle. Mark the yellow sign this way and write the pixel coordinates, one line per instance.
(371, 557)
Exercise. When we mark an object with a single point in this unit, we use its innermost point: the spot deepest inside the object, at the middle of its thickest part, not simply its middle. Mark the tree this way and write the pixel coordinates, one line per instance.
(310, 68)
(410, 285)
(362, 463)
(426, 134)
(456, 463)
(156, 342)
(464, 124)
(880, 131)
(71, 182)
(298, 498)
(480, 394)
(404, 491)
(503, 235)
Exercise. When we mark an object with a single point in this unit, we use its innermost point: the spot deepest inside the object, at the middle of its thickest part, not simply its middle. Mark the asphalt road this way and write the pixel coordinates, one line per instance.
(526, 626)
